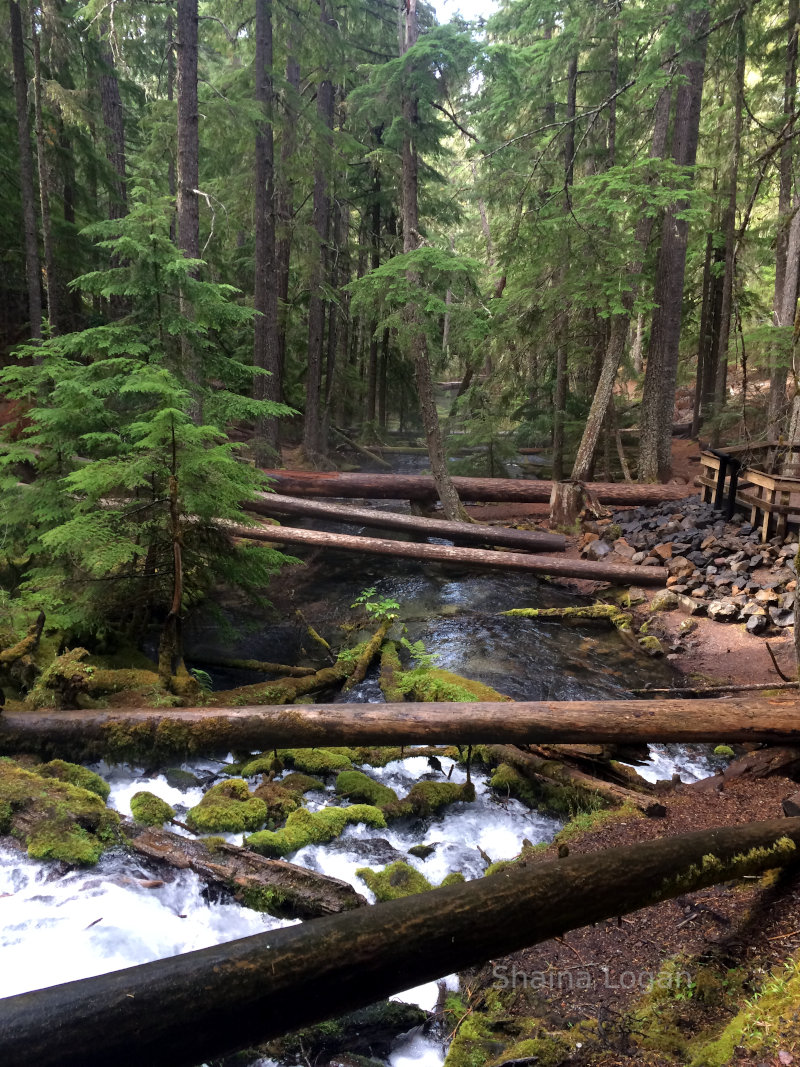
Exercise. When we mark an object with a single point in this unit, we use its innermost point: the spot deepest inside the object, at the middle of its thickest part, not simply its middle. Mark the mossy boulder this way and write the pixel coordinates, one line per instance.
(359, 787)
(434, 685)
(281, 802)
(300, 783)
(401, 880)
(425, 798)
(318, 760)
(421, 852)
(75, 775)
(310, 828)
(724, 750)
(266, 763)
(510, 783)
(150, 810)
(54, 818)
(228, 806)
(181, 779)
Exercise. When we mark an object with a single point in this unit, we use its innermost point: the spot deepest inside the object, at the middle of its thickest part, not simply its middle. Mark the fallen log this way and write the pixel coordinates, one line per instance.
(421, 487)
(281, 888)
(461, 533)
(262, 666)
(190, 1008)
(169, 732)
(530, 766)
(472, 557)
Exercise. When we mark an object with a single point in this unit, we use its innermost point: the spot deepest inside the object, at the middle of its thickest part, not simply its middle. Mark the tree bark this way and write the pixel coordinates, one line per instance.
(188, 211)
(124, 732)
(284, 205)
(658, 396)
(266, 355)
(277, 504)
(291, 890)
(45, 189)
(26, 177)
(114, 122)
(194, 1007)
(423, 487)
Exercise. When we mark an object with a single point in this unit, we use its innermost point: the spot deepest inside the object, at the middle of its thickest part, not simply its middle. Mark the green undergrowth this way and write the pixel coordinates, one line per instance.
(228, 806)
(150, 810)
(54, 818)
(311, 828)
(401, 880)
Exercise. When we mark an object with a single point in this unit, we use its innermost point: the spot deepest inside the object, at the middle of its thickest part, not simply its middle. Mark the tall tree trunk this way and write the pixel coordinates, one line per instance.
(265, 351)
(114, 122)
(284, 199)
(26, 178)
(560, 393)
(172, 183)
(451, 504)
(313, 430)
(45, 176)
(658, 396)
(188, 172)
(731, 238)
(704, 350)
(375, 262)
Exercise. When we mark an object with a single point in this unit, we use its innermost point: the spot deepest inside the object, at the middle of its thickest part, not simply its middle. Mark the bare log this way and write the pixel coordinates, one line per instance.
(171, 732)
(275, 886)
(421, 487)
(597, 571)
(530, 766)
(460, 533)
(188, 1009)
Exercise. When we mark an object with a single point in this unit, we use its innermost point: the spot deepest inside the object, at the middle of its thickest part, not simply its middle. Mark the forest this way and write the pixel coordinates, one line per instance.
(507, 288)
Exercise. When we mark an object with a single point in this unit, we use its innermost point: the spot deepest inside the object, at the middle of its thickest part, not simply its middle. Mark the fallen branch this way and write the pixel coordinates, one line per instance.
(255, 665)
(191, 1008)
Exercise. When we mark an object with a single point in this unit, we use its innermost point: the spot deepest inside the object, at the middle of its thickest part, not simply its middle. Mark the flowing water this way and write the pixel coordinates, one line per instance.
(56, 927)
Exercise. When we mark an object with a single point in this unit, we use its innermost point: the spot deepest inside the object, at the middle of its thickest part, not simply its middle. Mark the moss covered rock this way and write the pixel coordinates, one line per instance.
(228, 806)
(181, 779)
(300, 783)
(435, 685)
(150, 810)
(75, 775)
(309, 828)
(425, 798)
(54, 818)
(318, 760)
(510, 783)
(281, 802)
(400, 880)
(359, 787)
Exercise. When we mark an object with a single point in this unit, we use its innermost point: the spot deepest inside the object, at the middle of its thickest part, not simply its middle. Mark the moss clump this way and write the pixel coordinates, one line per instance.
(391, 671)
(425, 798)
(421, 852)
(75, 775)
(150, 810)
(547, 1050)
(310, 828)
(509, 782)
(280, 801)
(300, 783)
(724, 750)
(359, 787)
(548, 796)
(53, 818)
(228, 806)
(651, 645)
(434, 685)
(318, 760)
(379, 757)
(262, 898)
(401, 880)
(180, 779)
(266, 763)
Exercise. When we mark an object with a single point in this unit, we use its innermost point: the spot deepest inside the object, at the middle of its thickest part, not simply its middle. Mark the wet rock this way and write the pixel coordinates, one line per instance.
(421, 852)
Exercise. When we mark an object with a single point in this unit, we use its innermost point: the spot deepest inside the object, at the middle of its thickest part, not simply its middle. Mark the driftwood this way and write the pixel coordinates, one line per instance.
(532, 766)
(269, 885)
(176, 731)
(191, 1008)
(460, 533)
(599, 571)
(421, 487)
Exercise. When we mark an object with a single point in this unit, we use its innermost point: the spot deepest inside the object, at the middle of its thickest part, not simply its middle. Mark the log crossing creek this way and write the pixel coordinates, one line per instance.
(129, 909)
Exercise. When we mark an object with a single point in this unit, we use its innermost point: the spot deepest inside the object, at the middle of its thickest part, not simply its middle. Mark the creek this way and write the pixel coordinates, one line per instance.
(59, 926)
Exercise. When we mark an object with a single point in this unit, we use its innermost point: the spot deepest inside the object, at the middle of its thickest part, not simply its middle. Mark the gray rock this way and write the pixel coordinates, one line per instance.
(756, 624)
(664, 600)
(596, 550)
(722, 610)
(781, 618)
(791, 806)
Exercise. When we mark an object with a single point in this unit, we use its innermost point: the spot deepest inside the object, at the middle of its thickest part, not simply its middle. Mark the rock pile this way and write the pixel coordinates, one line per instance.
(715, 567)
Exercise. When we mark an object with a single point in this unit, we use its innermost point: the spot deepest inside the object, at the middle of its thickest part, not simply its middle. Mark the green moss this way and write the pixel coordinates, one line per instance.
(76, 775)
(262, 898)
(310, 828)
(425, 798)
(724, 750)
(379, 757)
(543, 794)
(359, 787)
(712, 869)
(400, 880)
(651, 645)
(547, 1050)
(280, 801)
(150, 810)
(53, 818)
(228, 806)
(319, 760)
(434, 685)
(300, 783)
(391, 671)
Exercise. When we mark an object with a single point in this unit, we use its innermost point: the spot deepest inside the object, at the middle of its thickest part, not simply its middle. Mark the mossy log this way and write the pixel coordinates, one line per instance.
(275, 886)
(531, 766)
(422, 487)
(27, 646)
(262, 666)
(191, 1008)
(460, 533)
(597, 571)
(157, 733)
(619, 619)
